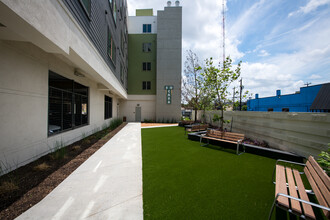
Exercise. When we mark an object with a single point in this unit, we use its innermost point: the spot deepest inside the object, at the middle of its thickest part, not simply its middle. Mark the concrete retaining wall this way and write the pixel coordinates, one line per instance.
(301, 133)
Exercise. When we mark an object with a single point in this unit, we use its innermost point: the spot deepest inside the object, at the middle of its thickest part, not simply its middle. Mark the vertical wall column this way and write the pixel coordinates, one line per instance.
(169, 67)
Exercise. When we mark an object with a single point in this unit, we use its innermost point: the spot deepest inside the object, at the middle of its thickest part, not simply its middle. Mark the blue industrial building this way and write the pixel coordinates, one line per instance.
(308, 99)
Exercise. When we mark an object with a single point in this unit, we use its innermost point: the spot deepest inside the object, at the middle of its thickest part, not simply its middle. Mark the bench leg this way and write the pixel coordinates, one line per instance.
(200, 142)
(237, 149)
(271, 211)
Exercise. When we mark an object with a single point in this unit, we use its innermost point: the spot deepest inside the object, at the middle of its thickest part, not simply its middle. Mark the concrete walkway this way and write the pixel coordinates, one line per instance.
(106, 186)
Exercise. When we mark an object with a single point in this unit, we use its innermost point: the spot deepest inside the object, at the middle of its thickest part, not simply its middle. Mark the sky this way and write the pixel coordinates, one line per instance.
(282, 44)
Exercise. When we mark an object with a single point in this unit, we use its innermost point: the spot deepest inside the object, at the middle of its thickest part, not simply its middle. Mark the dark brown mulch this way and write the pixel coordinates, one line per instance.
(34, 184)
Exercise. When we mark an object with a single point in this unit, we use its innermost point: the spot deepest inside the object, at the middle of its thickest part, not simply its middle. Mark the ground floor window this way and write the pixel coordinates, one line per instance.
(107, 107)
(67, 104)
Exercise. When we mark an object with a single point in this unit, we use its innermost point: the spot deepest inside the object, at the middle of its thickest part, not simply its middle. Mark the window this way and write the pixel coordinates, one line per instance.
(111, 47)
(285, 109)
(146, 66)
(270, 110)
(146, 47)
(122, 43)
(107, 107)
(114, 9)
(87, 6)
(121, 73)
(146, 85)
(146, 28)
(67, 104)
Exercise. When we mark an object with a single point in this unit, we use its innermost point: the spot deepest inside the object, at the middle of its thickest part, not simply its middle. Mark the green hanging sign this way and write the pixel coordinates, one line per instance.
(169, 94)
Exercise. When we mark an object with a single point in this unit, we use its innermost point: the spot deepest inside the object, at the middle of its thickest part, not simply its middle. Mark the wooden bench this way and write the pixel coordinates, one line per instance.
(230, 137)
(197, 127)
(291, 195)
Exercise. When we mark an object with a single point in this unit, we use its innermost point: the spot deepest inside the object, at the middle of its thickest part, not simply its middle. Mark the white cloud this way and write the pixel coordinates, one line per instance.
(263, 53)
(315, 76)
(312, 5)
(286, 69)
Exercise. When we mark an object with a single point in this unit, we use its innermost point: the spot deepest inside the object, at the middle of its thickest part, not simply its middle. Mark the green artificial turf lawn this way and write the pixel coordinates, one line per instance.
(182, 180)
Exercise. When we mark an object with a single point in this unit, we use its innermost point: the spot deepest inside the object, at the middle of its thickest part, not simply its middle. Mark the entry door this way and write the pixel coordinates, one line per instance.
(138, 113)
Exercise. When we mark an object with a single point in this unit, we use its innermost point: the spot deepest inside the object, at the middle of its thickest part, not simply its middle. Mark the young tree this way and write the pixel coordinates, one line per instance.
(217, 81)
(192, 82)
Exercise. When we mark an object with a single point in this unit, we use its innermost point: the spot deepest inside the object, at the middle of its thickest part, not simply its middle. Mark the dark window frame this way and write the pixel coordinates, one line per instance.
(113, 9)
(88, 10)
(146, 66)
(146, 85)
(72, 100)
(146, 47)
(107, 107)
(146, 28)
(111, 51)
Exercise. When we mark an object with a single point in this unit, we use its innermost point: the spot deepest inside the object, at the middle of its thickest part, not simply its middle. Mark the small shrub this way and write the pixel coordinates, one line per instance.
(76, 147)
(59, 151)
(8, 186)
(86, 141)
(324, 160)
(41, 167)
(115, 123)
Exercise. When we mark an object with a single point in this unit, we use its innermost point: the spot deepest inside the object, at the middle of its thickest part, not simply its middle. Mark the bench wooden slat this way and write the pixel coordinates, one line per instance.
(295, 205)
(281, 186)
(319, 183)
(308, 210)
(316, 190)
(325, 178)
(217, 139)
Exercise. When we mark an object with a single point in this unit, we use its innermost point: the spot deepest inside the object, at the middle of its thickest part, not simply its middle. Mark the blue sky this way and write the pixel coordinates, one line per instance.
(282, 43)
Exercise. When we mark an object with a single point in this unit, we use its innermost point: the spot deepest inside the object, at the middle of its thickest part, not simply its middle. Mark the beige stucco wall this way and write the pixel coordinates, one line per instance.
(24, 103)
(302, 133)
(56, 34)
(146, 102)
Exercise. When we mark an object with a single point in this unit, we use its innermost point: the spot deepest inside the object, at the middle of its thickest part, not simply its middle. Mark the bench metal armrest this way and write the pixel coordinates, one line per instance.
(291, 162)
(300, 200)
(303, 201)
(286, 161)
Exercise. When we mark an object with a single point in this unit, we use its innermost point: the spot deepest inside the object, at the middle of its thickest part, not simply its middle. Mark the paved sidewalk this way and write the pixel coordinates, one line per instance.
(106, 186)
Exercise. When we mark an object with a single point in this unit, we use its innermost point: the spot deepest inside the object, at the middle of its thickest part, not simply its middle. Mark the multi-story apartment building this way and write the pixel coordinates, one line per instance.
(154, 69)
(64, 73)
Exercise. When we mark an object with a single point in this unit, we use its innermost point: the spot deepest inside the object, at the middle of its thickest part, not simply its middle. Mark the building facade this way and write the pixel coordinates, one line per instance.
(154, 69)
(64, 73)
(307, 99)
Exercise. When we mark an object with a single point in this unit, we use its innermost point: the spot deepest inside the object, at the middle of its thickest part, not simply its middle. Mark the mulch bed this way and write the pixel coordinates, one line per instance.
(27, 185)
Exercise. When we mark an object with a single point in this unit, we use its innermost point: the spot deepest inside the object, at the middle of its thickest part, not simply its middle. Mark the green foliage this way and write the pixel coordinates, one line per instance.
(324, 160)
(185, 119)
(59, 151)
(115, 123)
(216, 118)
(217, 82)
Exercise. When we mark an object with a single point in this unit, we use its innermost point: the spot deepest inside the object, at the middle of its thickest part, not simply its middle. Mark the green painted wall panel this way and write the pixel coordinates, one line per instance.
(136, 57)
(144, 12)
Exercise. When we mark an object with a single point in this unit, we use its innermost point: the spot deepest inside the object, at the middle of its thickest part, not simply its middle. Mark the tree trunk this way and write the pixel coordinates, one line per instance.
(195, 115)
(221, 118)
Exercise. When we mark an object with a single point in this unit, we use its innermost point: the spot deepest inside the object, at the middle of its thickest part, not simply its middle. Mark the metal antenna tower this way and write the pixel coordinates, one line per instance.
(307, 84)
(223, 33)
